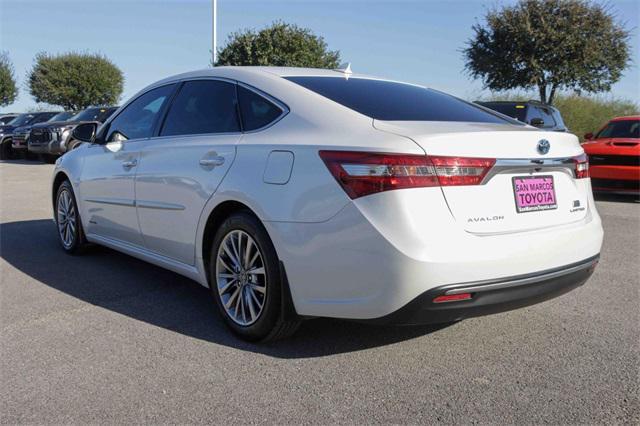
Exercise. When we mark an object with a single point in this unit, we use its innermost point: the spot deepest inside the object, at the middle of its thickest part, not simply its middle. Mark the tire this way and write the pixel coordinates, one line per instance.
(6, 152)
(67, 218)
(253, 305)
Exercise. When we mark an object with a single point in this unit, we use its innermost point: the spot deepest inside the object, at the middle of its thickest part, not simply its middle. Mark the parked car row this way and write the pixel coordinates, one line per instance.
(614, 150)
(44, 134)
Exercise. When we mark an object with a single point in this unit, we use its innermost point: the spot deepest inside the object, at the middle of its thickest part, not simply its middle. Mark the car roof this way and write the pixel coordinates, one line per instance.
(226, 71)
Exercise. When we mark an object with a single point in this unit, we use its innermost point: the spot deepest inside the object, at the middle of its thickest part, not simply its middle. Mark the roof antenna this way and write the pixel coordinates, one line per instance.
(345, 69)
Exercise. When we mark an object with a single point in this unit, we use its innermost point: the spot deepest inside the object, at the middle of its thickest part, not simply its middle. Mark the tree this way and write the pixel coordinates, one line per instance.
(281, 44)
(75, 80)
(8, 88)
(549, 45)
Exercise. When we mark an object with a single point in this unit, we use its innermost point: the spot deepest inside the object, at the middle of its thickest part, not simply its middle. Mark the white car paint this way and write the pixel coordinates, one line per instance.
(362, 258)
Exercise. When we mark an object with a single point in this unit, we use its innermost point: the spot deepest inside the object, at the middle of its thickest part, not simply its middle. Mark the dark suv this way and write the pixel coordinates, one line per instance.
(534, 113)
(21, 134)
(54, 137)
(6, 131)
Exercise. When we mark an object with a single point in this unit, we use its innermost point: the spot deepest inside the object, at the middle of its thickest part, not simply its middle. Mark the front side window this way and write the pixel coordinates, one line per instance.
(255, 110)
(389, 100)
(621, 129)
(136, 121)
(202, 106)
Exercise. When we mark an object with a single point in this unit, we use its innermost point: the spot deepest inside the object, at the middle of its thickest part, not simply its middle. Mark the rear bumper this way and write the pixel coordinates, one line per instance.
(492, 296)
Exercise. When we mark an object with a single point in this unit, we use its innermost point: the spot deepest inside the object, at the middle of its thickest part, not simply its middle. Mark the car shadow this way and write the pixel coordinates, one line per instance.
(128, 286)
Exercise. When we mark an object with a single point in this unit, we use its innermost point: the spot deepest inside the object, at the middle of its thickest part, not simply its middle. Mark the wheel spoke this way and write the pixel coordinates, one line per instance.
(256, 271)
(258, 288)
(231, 257)
(247, 253)
(227, 285)
(252, 311)
(254, 297)
(232, 298)
(235, 251)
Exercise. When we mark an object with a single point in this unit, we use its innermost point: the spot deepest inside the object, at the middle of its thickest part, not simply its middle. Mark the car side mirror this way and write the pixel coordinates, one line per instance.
(85, 132)
(588, 136)
(537, 122)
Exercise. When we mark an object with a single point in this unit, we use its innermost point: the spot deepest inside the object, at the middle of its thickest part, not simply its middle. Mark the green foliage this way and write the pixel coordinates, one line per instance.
(280, 44)
(549, 45)
(8, 87)
(582, 114)
(75, 80)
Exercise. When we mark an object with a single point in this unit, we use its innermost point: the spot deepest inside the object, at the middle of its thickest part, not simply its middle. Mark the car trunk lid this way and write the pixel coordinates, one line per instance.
(500, 204)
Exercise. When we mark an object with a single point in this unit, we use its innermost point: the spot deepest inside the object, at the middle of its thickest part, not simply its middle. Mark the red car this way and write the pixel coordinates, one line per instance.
(614, 156)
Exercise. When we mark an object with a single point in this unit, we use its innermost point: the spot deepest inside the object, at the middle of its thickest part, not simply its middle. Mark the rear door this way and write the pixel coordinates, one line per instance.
(183, 165)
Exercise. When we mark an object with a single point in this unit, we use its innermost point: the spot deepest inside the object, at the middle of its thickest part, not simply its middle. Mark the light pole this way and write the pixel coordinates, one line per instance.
(214, 38)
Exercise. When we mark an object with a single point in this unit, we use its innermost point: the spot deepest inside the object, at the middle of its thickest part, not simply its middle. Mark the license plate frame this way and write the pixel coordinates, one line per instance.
(522, 203)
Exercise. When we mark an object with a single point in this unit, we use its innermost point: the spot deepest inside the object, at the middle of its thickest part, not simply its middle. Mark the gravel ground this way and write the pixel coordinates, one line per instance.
(106, 338)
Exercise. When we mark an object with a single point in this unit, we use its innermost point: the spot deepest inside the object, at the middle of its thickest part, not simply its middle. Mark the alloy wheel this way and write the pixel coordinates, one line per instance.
(67, 219)
(241, 277)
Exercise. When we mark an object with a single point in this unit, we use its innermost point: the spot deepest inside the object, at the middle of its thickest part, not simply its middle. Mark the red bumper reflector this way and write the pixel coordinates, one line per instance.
(452, 298)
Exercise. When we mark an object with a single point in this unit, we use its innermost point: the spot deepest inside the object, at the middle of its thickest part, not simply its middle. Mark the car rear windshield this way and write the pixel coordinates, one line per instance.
(513, 110)
(621, 129)
(389, 100)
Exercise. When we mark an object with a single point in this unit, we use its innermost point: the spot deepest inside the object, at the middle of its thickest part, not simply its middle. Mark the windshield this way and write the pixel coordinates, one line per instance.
(7, 119)
(513, 110)
(21, 120)
(621, 129)
(390, 100)
(61, 116)
(93, 114)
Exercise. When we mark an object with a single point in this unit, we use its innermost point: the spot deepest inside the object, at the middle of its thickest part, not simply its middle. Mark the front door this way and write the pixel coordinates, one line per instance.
(107, 180)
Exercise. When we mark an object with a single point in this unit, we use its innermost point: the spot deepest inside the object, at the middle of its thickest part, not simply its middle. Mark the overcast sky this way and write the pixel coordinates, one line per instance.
(416, 41)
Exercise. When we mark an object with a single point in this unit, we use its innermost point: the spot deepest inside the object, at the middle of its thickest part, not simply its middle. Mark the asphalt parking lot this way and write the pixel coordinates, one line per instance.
(107, 338)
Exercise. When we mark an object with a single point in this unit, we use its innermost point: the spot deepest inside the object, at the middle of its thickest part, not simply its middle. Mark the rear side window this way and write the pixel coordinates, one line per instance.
(202, 106)
(255, 110)
(388, 100)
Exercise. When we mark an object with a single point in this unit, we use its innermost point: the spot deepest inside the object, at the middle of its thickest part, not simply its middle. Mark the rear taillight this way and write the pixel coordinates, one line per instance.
(582, 166)
(364, 173)
(453, 171)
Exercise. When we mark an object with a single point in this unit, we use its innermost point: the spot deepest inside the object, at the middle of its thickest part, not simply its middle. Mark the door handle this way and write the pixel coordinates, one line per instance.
(212, 162)
(129, 164)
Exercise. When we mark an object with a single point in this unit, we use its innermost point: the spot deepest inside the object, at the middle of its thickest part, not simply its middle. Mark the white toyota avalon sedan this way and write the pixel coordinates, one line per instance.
(296, 193)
